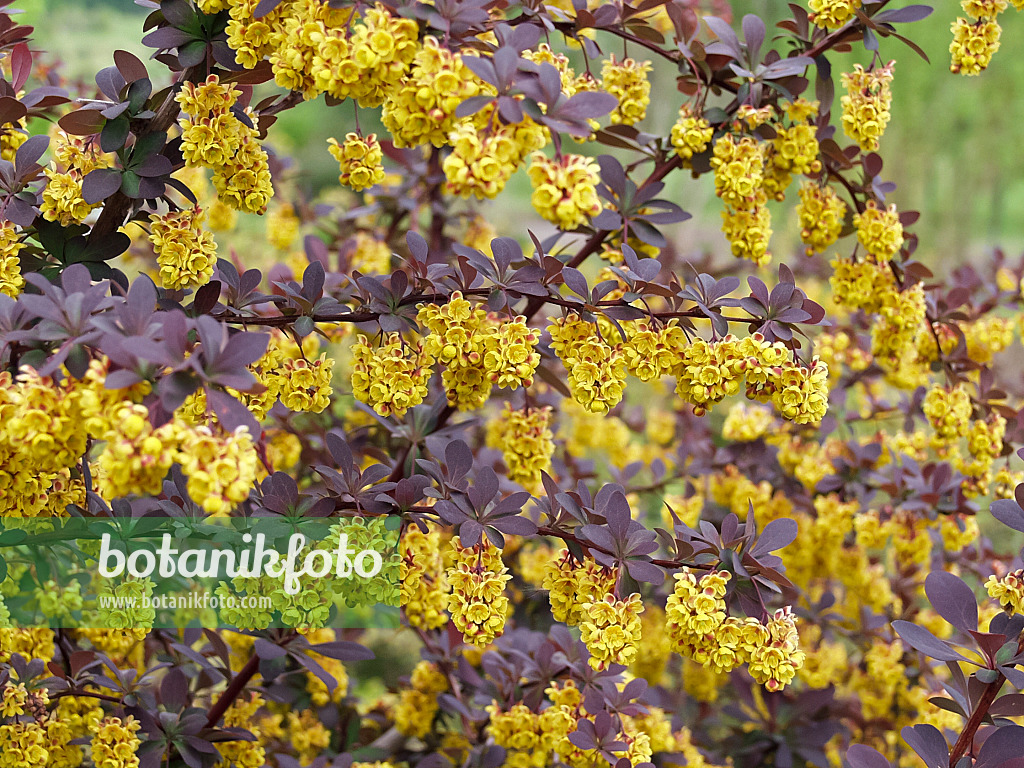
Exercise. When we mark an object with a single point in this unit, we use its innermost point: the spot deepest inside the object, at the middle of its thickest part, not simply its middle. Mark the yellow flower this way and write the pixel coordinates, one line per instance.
(477, 603)
(115, 743)
(973, 45)
(360, 160)
(832, 14)
(866, 104)
(186, 253)
(391, 378)
(821, 213)
(690, 134)
(565, 189)
(62, 198)
(627, 81)
(11, 281)
(525, 440)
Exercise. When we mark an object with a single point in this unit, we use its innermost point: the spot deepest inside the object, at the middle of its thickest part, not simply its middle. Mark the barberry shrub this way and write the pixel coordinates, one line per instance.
(647, 516)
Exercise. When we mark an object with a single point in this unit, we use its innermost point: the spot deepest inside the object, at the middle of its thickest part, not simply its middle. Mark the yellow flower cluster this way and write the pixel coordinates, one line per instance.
(391, 378)
(477, 603)
(369, 255)
(706, 372)
(249, 37)
(221, 467)
(62, 197)
(699, 629)
(746, 423)
(596, 370)
(24, 745)
(115, 743)
(243, 754)
(525, 440)
(417, 704)
(949, 412)
(12, 136)
(861, 284)
(137, 456)
(185, 252)
(307, 734)
(985, 444)
(573, 585)
(748, 231)
(651, 353)
(41, 439)
(11, 281)
(360, 159)
(627, 81)
(900, 321)
(305, 385)
(478, 350)
(866, 104)
(794, 150)
(421, 107)
(832, 14)
(821, 213)
(282, 226)
(973, 45)
(879, 231)
(1009, 591)
(691, 134)
(565, 189)
(483, 160)
(424, 589)
(213, 137)
(530, 737)
(370, 62)
(739, 165)
(611, 629)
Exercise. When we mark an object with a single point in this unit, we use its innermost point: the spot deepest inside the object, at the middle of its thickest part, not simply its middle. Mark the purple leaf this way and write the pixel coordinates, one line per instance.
(1008, 512)
(776, 535)
(753, 34)
(343, 650)
(588, 105)
(929, 744)
(516, 525)
(642, 570)
(863, 756)
(906, 14)
(953, 600)
(576, 282)
(1004, 744)
(725, 34)
(923, 640)
(100, 184)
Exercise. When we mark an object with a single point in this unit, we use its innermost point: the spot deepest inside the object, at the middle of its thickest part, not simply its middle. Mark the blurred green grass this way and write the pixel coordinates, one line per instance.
(952, 146)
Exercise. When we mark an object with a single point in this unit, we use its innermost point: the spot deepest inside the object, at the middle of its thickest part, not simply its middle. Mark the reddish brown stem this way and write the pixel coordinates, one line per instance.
(233, 691)
(966, 739)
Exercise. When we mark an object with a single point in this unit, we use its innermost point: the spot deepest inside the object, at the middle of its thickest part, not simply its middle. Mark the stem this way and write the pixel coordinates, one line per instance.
(966, 739)
(87, 694)
(232, 692)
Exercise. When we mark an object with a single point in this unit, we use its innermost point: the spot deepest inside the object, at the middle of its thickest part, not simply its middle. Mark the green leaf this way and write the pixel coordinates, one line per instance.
(987, 675)
(304, 326)
(130, 184)
(114, 134)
